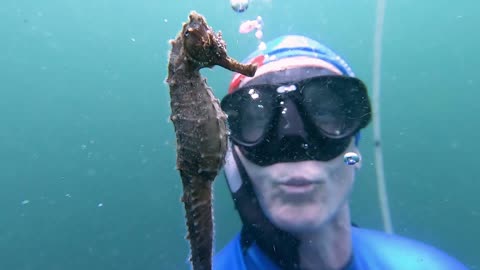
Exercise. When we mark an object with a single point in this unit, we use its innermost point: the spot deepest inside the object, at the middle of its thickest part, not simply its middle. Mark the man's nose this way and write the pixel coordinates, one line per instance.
(290, 122)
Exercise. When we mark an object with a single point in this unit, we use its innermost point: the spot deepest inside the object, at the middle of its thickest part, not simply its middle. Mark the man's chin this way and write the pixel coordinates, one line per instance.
(298, 219)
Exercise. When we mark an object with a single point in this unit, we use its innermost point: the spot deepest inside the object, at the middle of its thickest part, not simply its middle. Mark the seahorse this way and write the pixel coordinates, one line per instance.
(200, 127)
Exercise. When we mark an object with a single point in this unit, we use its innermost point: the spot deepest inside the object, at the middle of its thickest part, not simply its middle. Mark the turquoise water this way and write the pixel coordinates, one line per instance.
(87, 154)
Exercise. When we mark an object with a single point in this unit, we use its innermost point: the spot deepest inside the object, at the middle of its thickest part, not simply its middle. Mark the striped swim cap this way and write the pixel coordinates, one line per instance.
(289, 46)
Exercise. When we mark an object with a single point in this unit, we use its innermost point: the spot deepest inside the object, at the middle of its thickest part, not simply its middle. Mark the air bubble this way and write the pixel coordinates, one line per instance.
(239, 5)
(351, 158)
(253, 94)
(262, 46)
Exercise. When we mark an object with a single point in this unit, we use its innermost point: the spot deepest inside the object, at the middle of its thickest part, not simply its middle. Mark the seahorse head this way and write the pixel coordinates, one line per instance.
(201, 44)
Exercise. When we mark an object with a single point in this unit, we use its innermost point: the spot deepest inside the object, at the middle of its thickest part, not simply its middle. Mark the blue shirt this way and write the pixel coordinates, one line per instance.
(372, 250)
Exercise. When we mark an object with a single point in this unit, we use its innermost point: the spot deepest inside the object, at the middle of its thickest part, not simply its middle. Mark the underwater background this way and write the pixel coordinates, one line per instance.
(87, 153)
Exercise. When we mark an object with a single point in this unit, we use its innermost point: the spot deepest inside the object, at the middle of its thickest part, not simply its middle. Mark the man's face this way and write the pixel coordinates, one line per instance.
(299, 197)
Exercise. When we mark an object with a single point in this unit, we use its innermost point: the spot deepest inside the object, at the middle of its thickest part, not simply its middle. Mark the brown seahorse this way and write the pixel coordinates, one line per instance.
(200, 127)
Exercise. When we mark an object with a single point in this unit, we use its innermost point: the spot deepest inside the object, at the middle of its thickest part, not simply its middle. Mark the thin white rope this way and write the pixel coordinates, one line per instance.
(377, 60)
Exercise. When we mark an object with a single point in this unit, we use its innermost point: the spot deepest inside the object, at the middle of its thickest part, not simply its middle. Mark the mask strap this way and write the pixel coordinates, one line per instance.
(231, 170)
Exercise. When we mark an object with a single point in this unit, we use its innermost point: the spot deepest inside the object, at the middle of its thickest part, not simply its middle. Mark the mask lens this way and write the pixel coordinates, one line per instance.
(331, 103)
(249, 113)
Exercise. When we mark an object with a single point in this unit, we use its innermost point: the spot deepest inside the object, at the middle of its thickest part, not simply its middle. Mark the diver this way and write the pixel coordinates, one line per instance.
(290, 127)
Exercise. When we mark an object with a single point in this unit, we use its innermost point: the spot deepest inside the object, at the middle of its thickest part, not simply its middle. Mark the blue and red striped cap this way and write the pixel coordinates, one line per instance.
(289, 46)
